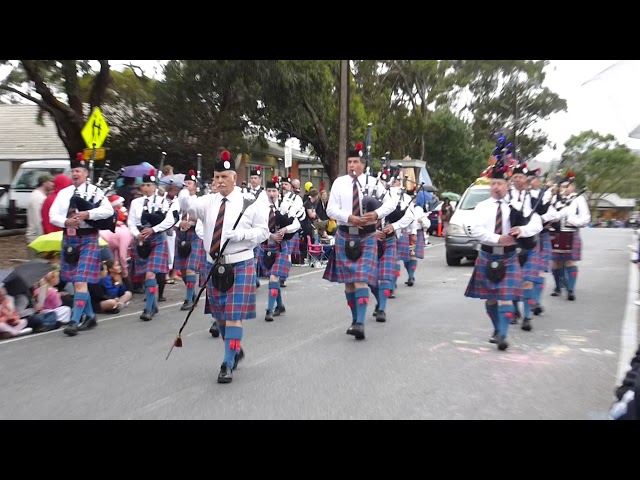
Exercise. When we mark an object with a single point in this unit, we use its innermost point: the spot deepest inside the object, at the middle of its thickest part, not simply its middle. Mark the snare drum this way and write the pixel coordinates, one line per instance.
(562, 240)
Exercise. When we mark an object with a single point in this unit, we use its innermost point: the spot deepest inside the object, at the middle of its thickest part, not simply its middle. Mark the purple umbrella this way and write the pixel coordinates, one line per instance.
(135, 171)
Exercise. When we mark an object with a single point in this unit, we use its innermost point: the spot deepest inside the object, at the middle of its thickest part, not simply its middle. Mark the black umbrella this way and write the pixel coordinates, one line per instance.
(429, 188)
(24, 276)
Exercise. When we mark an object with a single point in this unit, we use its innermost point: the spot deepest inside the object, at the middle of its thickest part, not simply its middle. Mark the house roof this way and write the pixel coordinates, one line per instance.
(614, 200)
(22, 138)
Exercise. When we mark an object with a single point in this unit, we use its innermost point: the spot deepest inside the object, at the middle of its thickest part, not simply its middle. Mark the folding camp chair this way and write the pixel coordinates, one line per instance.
(315, 253)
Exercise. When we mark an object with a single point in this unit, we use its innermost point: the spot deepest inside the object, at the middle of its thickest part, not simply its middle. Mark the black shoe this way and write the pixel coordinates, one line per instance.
(162, 299)
(392, 295)
(570, 296)
(556, 292)
(186, 305)
(71, 329)
(537, 310)
(381, 317)
(146, 316)
(268, 317)
(87, 324)
(214, 330)
(279, 311)
(494, 338)
(257, 283)
(502, 343)
(409, 283)
(526, 325)
(283, 283)
(239, 356)
(155, 310)
(514, 319)
(226, 374)
(357, 330)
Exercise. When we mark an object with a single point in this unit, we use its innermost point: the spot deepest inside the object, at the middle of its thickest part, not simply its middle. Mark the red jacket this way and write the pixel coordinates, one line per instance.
(59, 182)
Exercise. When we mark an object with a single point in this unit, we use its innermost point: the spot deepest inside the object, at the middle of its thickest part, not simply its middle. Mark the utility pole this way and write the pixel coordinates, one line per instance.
(343, 133)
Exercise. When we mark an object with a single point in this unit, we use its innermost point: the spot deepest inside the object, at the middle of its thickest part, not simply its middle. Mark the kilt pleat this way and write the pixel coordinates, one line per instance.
(342, 270)
(239, 302)
(88, 267)
(510, 288)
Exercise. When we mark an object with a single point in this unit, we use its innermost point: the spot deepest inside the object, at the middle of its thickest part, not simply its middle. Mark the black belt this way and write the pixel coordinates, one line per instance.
(361, 231)
(500, 250)
(84, 231)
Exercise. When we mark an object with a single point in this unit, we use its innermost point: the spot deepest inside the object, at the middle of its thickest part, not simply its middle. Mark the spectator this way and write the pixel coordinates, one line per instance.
(49, 298)
(446, 212)
(59, 182)
(11, 325)
(101, 300)
(36, 200)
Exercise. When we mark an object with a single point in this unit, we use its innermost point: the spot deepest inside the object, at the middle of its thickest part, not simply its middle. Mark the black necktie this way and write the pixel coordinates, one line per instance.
(214, 251)
(356, 198)
(498, 228)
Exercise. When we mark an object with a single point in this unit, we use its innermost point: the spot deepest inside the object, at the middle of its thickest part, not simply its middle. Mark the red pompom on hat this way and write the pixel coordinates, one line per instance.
(116, 200)
(224, 164)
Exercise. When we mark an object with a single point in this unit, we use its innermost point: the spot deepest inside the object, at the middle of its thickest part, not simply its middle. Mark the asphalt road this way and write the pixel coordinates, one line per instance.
(431, 360)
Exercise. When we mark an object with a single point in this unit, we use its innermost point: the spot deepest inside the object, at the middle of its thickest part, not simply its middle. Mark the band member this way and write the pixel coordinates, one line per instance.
(274, 252)
(150, 217)
(292, 204)
(406, 235)
(81, 209)
(354, 257)
(520, 201)
(188, 248)
(255, 187)
(497, 276)
(388, 231)
(548, 215)
(232, 228)
(574, 213)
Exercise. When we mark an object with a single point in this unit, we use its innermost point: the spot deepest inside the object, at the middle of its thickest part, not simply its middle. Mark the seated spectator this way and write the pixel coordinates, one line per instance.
(11, 325)
(101, 300)
(114, 284)
(48, 298)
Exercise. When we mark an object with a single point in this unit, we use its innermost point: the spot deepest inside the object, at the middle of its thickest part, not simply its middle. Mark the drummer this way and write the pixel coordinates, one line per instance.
(574, 214)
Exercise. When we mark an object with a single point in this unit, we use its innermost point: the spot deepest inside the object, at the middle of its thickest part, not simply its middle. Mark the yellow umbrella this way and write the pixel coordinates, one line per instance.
(52, 242)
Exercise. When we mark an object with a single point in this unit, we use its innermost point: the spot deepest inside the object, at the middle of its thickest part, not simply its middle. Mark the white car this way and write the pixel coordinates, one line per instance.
(14, 202)
(457, 242)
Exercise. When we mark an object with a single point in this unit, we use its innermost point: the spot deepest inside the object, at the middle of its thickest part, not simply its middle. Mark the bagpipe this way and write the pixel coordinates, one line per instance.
(282, 221)
(81, 202)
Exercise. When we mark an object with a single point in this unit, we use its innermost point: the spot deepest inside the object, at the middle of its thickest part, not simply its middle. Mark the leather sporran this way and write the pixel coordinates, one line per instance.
(269, 259)
(353, 249)
(496, 270)
(71, 255)
(143, 249)
(523, 257)
(222, 277)
(184, 248)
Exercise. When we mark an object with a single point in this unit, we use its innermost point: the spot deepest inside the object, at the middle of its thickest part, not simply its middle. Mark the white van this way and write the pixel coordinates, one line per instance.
(457, 242)
(25, 181)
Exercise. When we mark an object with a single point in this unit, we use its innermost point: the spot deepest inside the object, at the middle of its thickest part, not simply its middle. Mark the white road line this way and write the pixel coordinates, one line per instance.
(629, 335)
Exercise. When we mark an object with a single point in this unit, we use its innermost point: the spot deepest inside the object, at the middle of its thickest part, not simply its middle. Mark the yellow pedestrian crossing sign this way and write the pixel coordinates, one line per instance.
(95, 130)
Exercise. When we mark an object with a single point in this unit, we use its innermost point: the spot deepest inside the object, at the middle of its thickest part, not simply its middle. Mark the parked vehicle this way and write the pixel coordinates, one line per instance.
(14, 203)
(458, 244)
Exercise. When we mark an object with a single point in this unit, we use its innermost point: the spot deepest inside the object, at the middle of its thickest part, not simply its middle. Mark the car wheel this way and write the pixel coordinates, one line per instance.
(453, 261)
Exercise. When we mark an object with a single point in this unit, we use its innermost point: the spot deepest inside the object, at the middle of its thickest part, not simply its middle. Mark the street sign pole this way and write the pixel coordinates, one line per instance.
(91, 160)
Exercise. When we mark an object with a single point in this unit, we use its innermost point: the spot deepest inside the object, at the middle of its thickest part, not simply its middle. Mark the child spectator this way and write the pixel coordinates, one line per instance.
(49, 299)
(11, 325)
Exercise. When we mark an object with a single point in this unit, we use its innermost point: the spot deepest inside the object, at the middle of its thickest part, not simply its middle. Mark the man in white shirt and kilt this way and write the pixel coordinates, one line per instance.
(188, 250)
(149, 217)
(497, 275)
(81, 210)
(233, 226)
(274, 256)
(355, 253)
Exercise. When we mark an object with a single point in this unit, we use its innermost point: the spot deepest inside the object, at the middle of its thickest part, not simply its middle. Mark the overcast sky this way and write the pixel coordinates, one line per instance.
(608, 103)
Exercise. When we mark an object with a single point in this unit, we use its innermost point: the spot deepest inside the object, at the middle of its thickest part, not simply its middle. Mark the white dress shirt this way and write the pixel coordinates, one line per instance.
(576, 213)
(292, 205)
(484, 222)
(253, 223)
(156, 203)
(406, 222)
(552, 214)
(340, 205)
(60, 206)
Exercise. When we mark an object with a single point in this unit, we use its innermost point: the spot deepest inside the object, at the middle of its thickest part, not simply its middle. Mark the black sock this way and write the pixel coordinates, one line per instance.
(162, 280)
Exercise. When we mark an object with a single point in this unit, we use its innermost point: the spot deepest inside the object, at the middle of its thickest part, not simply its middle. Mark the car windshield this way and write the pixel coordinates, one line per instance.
(27, 179)
(474, 197)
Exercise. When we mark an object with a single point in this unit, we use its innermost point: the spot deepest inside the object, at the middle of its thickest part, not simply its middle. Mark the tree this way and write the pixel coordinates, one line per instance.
(40, 81)
(300, 100)
(601, 164)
